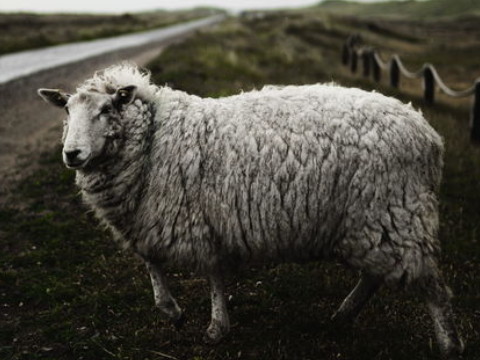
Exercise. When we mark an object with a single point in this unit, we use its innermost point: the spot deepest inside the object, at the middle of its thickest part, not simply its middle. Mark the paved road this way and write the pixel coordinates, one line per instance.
(25, 63)
(28, 126)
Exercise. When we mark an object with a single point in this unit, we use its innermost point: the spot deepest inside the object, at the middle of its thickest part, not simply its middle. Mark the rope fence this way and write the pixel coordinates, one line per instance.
(373, 65)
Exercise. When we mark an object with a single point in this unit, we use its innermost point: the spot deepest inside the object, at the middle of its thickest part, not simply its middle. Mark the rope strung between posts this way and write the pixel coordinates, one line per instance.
(453, 93)
(404, 71)
(382, 64)
(374, 64)
(441, 84)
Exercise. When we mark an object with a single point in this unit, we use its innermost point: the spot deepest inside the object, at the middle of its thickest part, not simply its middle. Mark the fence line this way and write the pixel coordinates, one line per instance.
(373, 65)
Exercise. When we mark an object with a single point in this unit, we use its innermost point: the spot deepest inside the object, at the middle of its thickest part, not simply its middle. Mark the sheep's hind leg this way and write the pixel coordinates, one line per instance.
(356, 300)
(437, 296)
(163, 298)
(219, 323)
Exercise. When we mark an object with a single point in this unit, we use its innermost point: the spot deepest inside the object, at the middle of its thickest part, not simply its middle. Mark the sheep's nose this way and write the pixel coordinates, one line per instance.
(72, 155)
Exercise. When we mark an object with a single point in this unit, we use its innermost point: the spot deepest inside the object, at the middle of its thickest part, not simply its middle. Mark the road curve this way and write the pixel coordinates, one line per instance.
(25, 63)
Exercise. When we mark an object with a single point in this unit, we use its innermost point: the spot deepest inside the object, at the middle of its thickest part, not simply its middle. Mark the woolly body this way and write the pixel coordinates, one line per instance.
(292, 173)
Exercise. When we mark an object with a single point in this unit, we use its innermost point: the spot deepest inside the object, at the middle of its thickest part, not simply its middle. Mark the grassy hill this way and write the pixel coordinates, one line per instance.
(410, 8)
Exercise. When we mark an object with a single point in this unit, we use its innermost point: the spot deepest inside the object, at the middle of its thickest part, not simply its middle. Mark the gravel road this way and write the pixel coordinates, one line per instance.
(14, 66)
(28, 126)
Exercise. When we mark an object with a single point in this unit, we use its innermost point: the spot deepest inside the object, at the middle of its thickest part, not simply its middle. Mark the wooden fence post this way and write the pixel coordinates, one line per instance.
(475, 116)
(377, 73)
(345, 54)
(366, 58)
(394, 74)
(354, 60)
(428, 85)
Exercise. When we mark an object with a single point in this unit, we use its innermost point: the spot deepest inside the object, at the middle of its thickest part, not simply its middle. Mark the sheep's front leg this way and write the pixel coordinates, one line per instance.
(219, 323)
(163, 298)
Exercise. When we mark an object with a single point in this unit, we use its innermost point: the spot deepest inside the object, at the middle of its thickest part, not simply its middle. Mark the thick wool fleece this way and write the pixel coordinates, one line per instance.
(280, 174)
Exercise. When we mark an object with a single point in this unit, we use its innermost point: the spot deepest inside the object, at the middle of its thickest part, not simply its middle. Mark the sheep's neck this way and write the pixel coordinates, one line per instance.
(115, 189)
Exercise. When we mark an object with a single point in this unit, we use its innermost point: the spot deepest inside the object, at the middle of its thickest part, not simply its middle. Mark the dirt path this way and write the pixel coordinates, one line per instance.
(28, 126)
(25, 63)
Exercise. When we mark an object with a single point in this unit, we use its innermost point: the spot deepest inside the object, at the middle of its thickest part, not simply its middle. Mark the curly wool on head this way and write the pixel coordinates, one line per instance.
(118, 76)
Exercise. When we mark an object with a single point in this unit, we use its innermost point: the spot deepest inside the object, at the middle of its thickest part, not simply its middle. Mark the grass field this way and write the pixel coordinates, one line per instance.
(66, 292)
(24, 31)
(405, 9)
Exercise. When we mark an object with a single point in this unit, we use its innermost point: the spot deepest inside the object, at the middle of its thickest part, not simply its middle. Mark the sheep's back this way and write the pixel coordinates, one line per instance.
(286, 173)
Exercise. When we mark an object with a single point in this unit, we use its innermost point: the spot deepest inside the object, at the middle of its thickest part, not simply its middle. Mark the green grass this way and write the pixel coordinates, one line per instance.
(67, 292)
(404, 9)
(238, 57)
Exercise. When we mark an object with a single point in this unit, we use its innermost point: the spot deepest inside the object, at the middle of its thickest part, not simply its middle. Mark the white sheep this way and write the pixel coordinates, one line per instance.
(282, 174)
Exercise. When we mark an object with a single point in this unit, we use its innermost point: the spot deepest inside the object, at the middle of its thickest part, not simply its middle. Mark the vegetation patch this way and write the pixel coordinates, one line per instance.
(236, 57)
(410, 9)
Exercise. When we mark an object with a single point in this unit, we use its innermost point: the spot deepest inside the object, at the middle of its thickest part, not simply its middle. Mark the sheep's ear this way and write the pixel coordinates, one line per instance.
(124, 96)
(54, 96)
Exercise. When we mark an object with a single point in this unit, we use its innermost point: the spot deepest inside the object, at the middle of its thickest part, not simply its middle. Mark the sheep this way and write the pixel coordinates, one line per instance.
(282, 174)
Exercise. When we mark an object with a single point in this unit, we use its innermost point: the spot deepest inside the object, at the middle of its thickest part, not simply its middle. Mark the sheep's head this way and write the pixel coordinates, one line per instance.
(93, 123)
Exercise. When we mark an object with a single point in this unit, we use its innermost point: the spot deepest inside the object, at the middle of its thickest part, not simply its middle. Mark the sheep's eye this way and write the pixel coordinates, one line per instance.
(106, 110)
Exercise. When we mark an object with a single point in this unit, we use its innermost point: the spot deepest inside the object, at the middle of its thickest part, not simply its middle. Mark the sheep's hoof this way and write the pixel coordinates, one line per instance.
(179, 321)
(452, 356)
(215, 333)
(341, 319)
(455, 351)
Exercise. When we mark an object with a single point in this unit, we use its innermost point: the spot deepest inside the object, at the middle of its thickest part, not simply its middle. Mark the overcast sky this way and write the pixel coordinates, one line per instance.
(118, 6)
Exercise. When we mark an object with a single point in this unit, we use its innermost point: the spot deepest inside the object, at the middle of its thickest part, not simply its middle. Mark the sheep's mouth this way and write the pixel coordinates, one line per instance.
(77, 164)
